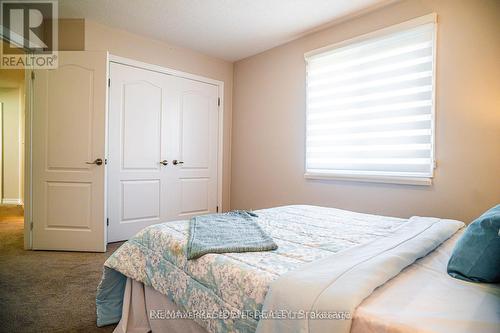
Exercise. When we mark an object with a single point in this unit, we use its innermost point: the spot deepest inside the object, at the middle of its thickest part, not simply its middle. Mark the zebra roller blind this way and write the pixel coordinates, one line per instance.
(370, 106)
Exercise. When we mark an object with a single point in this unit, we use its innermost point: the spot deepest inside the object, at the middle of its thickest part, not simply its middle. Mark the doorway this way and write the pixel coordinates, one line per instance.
(12, 129)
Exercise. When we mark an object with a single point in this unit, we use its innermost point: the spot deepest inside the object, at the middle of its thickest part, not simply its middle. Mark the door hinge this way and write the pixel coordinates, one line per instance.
(31, 225)
(107, 221)
(109, 82)
(32, 75)
(218, 101)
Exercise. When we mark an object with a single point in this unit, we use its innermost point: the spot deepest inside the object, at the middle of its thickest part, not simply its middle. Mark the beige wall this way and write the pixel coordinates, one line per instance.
(125, 44)
(11, 78)
(12, 145)
(269, 107)
(71, 34)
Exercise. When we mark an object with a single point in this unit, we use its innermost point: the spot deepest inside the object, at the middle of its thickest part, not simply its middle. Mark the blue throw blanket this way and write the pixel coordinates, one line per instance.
(236, 231)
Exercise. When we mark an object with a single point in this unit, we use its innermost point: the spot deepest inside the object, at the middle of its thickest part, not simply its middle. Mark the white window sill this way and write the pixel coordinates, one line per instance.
(423, 181)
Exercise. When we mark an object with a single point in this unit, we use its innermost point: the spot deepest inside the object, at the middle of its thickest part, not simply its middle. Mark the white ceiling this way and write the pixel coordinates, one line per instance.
(227, 29)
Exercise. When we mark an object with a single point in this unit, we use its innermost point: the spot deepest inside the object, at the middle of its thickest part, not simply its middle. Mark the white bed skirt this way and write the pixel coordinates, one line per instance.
(138, 301)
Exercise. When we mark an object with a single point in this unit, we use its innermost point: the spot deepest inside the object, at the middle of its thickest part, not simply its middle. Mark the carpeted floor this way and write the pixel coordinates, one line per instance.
(44, 291)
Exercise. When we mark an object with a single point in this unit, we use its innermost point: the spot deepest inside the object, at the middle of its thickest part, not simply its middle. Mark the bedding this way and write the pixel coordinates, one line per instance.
(233, 282)
(333, 287)
(423, 298)
(236, 231)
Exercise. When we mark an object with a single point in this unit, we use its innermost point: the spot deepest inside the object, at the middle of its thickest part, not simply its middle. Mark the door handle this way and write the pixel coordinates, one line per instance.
(175, 162)
(98, 161)
(164, 162)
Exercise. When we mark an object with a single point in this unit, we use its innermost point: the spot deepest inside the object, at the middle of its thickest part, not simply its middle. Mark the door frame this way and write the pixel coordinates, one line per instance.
(28, 195)
(169, 71)
(29, 76)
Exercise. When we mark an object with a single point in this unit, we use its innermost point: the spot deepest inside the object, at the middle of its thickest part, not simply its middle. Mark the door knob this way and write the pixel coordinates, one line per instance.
(98, 161)
(175, 162)
(164, 162)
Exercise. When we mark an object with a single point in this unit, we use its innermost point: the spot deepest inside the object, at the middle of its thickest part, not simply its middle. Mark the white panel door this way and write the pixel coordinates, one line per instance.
(69, 121)
(137, 188)
(192, 147)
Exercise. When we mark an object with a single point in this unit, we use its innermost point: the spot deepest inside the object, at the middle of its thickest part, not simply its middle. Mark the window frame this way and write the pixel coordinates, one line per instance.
(388, 179)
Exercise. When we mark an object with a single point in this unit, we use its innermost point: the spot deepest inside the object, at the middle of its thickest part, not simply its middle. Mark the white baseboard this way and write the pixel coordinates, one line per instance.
(7, 201)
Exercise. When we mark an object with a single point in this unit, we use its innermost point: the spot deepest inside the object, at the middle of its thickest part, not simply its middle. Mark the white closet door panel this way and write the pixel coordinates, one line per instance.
(194, 133)
(141, 113)
(140, 199)
(137, 180)
(195, 195)
(195, 130)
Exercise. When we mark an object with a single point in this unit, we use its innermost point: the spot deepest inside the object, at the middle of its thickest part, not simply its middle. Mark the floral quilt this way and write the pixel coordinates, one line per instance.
(237, 283)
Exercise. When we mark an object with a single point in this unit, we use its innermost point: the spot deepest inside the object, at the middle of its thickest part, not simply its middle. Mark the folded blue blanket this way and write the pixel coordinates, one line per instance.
(236, 231)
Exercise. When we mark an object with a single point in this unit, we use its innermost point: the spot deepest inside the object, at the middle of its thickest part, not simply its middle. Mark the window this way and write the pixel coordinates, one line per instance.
(370, 106)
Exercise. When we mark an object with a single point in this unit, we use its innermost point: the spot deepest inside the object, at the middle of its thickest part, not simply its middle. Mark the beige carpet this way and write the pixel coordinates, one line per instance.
(44, 291)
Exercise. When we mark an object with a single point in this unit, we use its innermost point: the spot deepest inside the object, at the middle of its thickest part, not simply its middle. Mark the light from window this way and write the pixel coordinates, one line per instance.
(370, 107)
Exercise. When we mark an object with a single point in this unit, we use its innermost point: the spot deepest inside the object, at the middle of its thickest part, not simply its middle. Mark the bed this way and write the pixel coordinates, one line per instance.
(149, 275)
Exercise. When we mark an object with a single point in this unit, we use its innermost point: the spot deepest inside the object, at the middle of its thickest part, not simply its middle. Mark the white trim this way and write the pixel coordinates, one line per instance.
(220, 148)
(433, 108)
(371, 179)
(28, 171)
(429, 18)
(174, 72)
(20, 140)
(2, 158)
(164, 70)
(12, 201)
(106, 154)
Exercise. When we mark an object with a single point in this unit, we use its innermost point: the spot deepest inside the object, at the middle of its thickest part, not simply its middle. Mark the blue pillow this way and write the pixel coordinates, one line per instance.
(476, 256)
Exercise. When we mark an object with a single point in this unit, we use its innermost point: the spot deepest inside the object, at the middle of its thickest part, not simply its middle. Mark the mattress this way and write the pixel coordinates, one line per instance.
(214, 287)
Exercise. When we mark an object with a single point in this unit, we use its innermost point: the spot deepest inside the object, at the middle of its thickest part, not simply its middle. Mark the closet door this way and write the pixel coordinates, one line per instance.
(138, 163)
(192, 147)
(163, 141)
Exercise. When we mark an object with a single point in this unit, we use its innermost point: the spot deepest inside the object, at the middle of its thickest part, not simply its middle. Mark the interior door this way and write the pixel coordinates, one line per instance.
(138, 161)
(192, 147)
(69, 121)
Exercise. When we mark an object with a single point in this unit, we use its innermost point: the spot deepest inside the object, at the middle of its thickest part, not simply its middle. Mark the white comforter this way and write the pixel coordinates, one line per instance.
(424, 299)
(336, 285)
